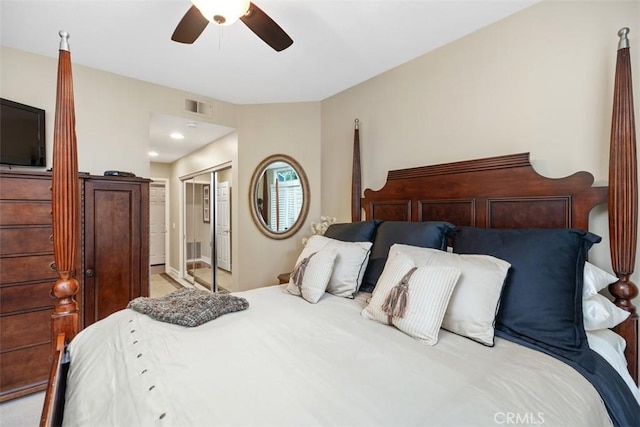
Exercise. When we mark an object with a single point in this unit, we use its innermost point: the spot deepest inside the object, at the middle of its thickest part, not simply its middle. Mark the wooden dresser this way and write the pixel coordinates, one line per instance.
(27, 273)
(113, 265)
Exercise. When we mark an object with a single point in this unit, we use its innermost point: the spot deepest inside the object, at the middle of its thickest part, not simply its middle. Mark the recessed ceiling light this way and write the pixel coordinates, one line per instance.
(153, 154)
(177, 135)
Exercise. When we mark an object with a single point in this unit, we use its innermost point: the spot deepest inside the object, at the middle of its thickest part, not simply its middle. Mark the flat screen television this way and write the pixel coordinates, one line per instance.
(22, 134)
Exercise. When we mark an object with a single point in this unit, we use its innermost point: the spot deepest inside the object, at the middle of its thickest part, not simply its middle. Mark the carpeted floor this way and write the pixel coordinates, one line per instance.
(23, 411)
(161, 284)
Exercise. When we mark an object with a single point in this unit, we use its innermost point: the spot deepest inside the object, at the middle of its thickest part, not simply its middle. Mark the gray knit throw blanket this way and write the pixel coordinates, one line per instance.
(188, 306)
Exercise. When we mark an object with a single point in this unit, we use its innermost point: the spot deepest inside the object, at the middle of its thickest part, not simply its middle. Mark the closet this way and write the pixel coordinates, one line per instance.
(207, 229)
(198, 219)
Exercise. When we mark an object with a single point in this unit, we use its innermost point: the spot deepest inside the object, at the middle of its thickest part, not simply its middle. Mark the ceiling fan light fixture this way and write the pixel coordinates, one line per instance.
(222, 12)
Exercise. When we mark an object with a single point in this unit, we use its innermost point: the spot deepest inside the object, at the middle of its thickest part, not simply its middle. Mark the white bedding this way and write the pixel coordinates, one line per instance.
(611, 347)
(285, 362)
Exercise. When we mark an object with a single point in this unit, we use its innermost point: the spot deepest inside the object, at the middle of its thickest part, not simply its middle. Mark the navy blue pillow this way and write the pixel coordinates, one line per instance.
(541, 301)
(428, 234)
(353, 231)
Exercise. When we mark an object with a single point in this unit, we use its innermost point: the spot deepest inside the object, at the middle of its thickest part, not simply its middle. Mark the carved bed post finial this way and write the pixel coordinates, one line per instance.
(624, 40)
(356, 178)
(64, 40)
(65, 201)
(623, 198)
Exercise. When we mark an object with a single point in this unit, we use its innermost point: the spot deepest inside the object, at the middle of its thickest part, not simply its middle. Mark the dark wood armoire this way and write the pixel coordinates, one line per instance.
(113, 265)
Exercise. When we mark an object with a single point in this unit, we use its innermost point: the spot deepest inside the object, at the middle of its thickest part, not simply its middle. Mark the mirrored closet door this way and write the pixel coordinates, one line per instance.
(198, 231)
(207, 230)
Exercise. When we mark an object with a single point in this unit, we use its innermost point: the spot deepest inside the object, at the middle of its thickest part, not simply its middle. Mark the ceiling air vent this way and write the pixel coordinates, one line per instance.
(198, 107)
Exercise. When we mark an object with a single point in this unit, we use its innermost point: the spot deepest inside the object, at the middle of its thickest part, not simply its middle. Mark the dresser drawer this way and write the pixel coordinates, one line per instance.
(25, 329)
(25, 189)
(23, 369)
(32, 268)
(27, 296)
(25, 241)
(25, 213)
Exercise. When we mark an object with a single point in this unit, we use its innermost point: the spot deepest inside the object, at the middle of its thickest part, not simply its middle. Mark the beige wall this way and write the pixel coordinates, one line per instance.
(540, 81)
(112, 111)
(263, 130)
(225, 175)
(159, 170)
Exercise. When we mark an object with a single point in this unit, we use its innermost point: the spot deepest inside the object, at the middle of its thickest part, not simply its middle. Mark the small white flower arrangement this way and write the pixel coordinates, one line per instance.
(319, 228)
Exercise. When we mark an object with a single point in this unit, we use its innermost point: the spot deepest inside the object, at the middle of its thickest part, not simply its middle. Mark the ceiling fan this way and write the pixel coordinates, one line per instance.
(226, 12)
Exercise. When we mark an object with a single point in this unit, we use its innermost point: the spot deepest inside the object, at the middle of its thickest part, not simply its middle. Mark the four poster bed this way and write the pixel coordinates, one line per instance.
(488, 230)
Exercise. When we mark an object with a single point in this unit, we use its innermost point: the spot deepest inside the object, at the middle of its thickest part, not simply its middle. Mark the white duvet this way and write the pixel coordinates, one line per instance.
(285, 362)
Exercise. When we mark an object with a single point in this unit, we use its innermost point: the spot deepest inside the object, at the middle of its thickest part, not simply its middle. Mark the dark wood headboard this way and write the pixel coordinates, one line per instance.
(496, 192)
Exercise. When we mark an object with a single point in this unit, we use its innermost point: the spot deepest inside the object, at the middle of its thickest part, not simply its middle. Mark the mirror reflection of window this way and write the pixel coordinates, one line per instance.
(279, 196)
(286, 197)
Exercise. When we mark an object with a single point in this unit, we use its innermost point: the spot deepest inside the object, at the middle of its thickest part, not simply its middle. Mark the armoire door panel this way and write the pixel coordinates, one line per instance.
(113, 262)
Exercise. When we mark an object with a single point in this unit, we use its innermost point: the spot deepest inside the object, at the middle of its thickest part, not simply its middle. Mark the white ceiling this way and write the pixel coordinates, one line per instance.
(337, 43)
(196, 134)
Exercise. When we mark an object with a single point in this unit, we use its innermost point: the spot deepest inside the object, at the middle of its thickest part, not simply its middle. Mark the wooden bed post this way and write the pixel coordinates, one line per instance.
(623, 199)
(66, 220)
(356, 178)
(65, 203)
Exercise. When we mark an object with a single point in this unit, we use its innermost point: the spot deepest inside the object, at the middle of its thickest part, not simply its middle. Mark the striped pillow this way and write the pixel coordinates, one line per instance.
(351, 261)
(315, 276)
(428, 294)
(474, 303)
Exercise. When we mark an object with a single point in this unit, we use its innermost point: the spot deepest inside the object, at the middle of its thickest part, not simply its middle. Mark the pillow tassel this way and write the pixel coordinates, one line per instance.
(395, 305)
(298, 272)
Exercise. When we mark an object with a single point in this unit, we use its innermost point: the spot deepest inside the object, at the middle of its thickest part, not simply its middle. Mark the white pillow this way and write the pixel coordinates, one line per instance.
(600, 313)
(611, 339)
(595, 280)
(351, 261)
(316, 275)
(474, 303)
(429, 291)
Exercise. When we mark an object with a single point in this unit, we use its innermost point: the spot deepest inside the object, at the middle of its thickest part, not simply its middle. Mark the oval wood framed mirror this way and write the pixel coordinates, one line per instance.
(279, 196)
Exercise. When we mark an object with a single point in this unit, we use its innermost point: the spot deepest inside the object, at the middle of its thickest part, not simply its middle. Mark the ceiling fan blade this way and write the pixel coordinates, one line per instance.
(190, 26)
(266, 28)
